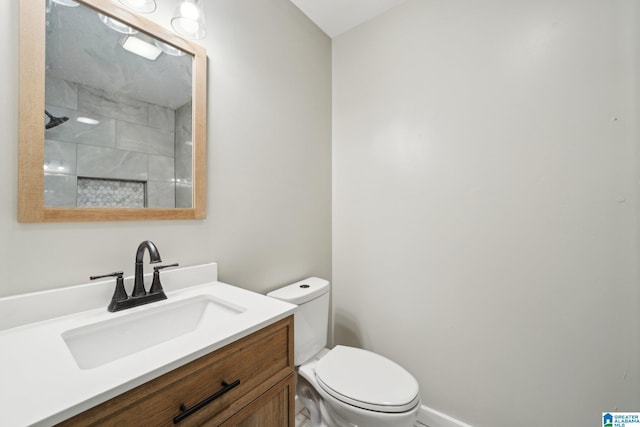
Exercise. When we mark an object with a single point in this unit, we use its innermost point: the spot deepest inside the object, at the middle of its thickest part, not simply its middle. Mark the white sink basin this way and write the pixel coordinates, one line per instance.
(66, 352)
(103, 342)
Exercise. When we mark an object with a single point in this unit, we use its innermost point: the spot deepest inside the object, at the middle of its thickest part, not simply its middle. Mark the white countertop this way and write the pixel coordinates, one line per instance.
(43, 385)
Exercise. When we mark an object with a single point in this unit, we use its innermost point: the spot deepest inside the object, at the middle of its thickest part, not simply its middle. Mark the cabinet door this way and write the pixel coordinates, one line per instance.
(275, 408)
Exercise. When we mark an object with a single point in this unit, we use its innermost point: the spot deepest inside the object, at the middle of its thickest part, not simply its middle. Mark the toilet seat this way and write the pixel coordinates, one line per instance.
(367, 380)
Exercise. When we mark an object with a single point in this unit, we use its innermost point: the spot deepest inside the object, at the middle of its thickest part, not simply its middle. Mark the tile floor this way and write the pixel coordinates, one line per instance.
(302, 420)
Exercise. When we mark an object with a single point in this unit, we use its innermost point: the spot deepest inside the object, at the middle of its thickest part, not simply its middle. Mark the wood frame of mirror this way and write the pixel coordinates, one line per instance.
(31, 206)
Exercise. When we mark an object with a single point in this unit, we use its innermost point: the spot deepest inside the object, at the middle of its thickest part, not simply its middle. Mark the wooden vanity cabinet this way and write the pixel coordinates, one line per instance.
(274, 408)
(264, 396)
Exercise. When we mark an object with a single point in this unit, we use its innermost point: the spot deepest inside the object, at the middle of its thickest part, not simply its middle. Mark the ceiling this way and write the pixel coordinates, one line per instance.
(335, 17)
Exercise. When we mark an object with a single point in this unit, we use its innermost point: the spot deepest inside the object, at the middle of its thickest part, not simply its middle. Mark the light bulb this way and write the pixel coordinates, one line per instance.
(188, 19)
(189, 11)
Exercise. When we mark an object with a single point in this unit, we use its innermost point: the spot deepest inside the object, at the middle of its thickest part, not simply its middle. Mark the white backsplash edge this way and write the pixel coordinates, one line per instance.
(23, 309)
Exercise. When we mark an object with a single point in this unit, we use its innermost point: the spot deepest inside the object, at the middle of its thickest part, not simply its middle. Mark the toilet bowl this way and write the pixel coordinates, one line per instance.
(344, 386)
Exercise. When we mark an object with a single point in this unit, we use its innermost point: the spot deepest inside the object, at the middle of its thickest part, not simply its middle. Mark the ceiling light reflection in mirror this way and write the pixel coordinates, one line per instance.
(140, 47)
(188, 17)
(116, 25)
(140, 6)
(69, 3)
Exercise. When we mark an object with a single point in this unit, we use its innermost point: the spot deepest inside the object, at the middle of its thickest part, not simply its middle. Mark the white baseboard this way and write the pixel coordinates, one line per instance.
(432, 418)
(427, 416)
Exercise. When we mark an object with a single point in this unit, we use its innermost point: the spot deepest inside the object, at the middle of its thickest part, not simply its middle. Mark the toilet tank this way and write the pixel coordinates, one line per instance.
(311, 318)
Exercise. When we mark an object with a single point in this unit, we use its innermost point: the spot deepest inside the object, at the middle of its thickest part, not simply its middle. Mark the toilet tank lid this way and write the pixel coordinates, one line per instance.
(302, 291)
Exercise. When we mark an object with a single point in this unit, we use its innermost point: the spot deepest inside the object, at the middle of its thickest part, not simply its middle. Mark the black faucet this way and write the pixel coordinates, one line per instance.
(139, 296)
(154, 255)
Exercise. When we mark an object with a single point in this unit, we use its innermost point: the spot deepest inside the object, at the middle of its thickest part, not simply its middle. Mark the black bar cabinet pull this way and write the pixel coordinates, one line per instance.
(190, 411)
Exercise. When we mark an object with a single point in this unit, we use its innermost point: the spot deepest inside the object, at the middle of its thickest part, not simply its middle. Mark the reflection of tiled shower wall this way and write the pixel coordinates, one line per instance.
(133, 141)
(183, 159)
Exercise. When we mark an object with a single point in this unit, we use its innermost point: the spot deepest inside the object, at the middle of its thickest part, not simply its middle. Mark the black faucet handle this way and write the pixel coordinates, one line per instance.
(156, 286)
(120, 294)
(118, 274)
(160, 267)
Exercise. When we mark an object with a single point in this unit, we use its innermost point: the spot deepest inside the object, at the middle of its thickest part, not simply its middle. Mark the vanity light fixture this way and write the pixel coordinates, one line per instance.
(69, 3)
(140, 6)
(140, 47)
(116, 25)
(188, 19)
(168, 49)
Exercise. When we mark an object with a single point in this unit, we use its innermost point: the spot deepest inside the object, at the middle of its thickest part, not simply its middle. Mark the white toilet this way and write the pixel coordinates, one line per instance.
(345, 386)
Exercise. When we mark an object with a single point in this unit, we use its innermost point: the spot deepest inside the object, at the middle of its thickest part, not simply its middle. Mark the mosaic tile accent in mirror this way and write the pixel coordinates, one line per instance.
(106, 193)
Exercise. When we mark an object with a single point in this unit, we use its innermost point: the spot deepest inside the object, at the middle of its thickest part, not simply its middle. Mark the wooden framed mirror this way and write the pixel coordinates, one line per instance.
(106, 134)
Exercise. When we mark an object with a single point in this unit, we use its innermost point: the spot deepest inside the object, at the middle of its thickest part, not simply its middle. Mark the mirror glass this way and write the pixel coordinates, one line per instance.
(112, 116)
(117, 114)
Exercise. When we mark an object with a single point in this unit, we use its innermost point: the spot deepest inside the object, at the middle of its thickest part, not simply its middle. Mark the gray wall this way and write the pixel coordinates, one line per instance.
(269, 176)
(486, 204)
